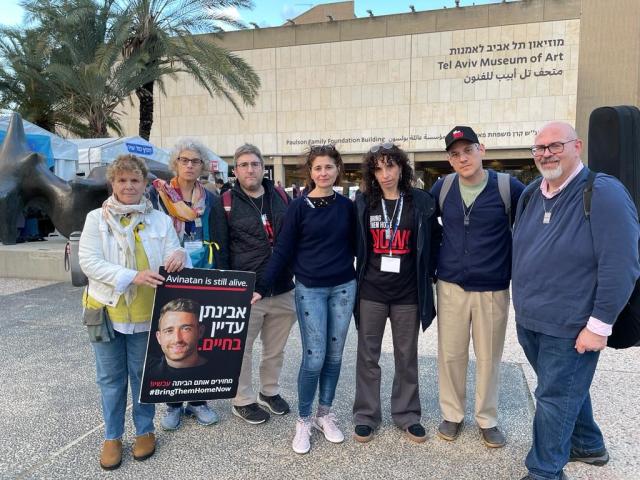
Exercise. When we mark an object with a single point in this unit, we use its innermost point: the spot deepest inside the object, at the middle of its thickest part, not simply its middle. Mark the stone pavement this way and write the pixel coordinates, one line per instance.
(52, 427)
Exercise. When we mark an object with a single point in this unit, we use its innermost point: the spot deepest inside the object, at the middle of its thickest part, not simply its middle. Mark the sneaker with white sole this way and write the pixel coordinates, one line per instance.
(302, 441)
(172, 418)
(202, 413)
(327, 425)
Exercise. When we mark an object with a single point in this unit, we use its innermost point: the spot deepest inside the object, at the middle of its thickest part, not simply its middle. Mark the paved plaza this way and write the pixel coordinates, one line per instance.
(52, 428)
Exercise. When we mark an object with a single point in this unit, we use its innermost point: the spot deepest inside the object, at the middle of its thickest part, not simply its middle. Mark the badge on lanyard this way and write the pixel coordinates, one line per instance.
(192, 245)
(389, 263)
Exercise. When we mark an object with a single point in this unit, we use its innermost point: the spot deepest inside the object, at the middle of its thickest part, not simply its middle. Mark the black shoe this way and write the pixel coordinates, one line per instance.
(598, 459)
(363, 433)
(251, 413)
(449, 430)
(276, 404)
(492, 437)
(416, 433)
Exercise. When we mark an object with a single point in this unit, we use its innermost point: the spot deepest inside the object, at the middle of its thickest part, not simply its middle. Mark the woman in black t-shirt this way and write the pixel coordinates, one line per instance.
(397, 229)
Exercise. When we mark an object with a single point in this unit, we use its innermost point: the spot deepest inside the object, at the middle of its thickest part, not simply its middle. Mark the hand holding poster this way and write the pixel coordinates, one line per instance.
(198, 329)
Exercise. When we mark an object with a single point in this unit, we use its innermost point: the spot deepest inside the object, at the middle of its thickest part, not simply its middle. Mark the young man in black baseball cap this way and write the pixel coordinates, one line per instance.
(476, 206)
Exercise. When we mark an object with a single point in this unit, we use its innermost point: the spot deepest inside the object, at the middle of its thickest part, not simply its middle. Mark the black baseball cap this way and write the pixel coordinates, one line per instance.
(460, 133)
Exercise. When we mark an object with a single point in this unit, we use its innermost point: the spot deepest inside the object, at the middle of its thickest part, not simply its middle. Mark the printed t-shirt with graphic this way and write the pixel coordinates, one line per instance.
(388, 287)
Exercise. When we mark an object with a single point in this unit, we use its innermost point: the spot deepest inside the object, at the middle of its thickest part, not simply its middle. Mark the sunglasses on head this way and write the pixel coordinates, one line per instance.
(382, 147)
(330, 148)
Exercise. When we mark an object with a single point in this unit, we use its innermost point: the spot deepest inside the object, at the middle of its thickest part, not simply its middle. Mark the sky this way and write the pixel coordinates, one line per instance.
(273, 13)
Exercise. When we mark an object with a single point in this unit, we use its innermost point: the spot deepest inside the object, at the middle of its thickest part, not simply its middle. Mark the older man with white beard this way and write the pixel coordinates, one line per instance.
(574, 268)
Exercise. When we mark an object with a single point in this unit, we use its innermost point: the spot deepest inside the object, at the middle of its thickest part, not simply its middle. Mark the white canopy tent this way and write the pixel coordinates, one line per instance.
(65, 153)
(97, 152)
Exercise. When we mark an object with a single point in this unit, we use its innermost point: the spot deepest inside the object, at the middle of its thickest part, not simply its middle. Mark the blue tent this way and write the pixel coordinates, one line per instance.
(37, 143)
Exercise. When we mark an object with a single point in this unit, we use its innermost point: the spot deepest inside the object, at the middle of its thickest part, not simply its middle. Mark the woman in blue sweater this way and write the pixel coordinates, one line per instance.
(317, 242)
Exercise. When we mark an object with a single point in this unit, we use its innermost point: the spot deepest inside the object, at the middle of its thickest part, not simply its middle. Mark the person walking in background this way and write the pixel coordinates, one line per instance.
(317, 241)
(397, 240)
(122, 246)
(474, 270)
(198, 219)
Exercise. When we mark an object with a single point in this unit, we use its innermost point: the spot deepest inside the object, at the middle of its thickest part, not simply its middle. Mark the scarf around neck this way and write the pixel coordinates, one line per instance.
(113, 211)
(175, 205)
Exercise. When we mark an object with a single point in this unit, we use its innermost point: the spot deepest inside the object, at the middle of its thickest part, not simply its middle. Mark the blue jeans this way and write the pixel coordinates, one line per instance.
(564, 417)
(117, 361)
(324, 315)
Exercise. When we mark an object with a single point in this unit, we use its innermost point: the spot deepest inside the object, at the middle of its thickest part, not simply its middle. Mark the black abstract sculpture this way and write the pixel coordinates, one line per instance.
(24, 177)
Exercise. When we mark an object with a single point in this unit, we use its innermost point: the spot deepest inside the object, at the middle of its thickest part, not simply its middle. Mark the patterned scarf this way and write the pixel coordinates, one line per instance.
(113, 211)
(176, 207)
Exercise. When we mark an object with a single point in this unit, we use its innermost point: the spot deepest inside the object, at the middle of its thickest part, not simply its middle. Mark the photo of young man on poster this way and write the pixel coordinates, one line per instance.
(178, 335)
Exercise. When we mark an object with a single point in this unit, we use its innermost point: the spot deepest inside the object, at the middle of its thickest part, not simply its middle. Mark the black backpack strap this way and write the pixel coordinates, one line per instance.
(587, 193)
(528, 192)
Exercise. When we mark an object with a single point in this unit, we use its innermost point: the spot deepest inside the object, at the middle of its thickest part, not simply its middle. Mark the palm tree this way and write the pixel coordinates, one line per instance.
(87, 71)
(24, 80)
(167, 34)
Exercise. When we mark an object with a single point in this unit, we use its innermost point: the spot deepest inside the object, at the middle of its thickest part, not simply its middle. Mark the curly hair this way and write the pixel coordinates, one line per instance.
(127, 163)
(316, 151)
(390, 156)
(193, 146)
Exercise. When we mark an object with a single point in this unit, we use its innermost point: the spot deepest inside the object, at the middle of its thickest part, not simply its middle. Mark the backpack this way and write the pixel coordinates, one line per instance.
(626, 328)
(227, 199)
(504, 187)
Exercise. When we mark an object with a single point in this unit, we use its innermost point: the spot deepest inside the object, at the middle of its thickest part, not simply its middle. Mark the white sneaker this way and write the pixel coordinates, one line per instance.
(327, 425)
(302, 441)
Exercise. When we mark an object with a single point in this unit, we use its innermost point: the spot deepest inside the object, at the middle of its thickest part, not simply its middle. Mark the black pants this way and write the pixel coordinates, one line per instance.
(405, 395)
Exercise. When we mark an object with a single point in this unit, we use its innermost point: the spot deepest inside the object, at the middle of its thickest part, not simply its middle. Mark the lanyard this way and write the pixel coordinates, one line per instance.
(387, 222)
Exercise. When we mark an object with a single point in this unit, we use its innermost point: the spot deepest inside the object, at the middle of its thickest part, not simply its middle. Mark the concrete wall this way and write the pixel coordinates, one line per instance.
(609, 66)
(377, 77)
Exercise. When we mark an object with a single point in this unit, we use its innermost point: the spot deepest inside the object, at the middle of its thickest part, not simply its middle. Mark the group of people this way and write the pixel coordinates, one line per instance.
(572, 275)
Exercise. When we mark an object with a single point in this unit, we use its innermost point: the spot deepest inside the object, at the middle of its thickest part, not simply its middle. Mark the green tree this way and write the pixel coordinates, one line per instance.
(24, 59)
(87, 72)
(166, 33)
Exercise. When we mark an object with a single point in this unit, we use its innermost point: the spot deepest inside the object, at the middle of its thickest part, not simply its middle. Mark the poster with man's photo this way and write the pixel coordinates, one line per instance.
(198, 329)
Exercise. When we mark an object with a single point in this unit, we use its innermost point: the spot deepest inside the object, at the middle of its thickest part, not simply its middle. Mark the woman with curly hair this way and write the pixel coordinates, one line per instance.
(397, 239)
(199, 221)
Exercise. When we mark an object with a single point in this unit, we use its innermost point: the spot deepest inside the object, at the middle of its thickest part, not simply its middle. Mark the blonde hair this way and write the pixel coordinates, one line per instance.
(127, 163)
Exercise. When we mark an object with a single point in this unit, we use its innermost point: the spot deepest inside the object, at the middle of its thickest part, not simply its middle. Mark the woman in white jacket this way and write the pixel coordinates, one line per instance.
(121, 248)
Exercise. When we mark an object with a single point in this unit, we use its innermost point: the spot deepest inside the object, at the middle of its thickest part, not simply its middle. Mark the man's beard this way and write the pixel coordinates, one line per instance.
(551, 174)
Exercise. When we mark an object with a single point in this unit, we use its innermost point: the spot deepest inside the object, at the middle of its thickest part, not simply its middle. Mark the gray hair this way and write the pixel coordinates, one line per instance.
(245, 149)
(127, 163)
(192, 145)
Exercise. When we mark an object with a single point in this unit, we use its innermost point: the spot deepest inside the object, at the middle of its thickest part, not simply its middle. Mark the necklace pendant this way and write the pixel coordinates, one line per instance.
(466, 221)
(547, 217)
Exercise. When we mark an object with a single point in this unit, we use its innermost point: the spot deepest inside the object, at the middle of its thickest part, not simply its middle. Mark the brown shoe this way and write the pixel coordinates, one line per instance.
(111, 455)
(144, 446)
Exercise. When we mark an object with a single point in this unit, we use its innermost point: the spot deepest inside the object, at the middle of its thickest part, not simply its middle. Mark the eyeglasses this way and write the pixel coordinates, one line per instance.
(246, 165)
(468, 150)
(554, 148)
(382, 146)
(193, 161)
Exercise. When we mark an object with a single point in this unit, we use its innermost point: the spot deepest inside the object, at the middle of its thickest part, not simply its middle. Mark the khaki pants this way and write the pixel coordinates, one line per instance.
(482, 316)
(272, 318)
